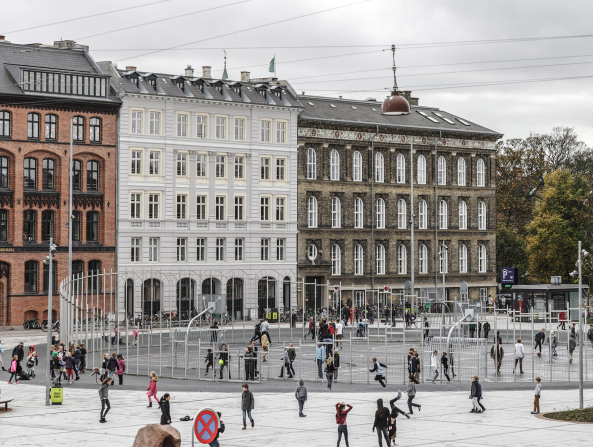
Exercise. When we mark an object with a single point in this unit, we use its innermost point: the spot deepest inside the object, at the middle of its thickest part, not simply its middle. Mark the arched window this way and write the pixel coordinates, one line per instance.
(462, 258)
(422, 215)
(402, 260)
(334, 165)
(31, 274)
(380, 213)
(480, 172)
(129, 298)
(33, 125)
(423, 259)
(266, 294)
(401, 169)
(379, 167)
(358, 213)
(336, 212)
(151, 297)
(461, 172)
(312, 252)
(421, 170)
(312, 212)
(92, 175)
(51, 126)
(336, 257)
(482, 258)
(443, 215)
(481, 215)
(462, 215)
(234, 296)
(402, 214)
(48, 173)
(30, 174)
(209, 286)
(311, 163)
(356, 167)
(380, 259)
(185, 294)
(442, 171)
(443, 259)
(92, 226)
(358, 260)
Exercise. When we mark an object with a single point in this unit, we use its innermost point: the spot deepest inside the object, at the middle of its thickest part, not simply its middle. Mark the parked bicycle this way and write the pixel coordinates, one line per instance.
(32, 323)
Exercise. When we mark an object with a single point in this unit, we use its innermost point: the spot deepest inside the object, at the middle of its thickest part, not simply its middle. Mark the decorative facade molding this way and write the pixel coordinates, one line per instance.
(41, 199)
(86, 200)
(7, 198)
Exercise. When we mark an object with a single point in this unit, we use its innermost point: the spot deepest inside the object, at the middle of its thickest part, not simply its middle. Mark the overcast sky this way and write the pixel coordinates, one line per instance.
(323, 59)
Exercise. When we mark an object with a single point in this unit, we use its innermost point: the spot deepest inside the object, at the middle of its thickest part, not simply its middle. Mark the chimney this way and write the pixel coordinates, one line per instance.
(130, 68)
(206, 71)
(245, 76)
(2, 38)
(189, 72)
(407, 94)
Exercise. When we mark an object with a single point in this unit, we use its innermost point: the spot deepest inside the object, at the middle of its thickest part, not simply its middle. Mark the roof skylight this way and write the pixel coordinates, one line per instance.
(427, 116)
(444, 118)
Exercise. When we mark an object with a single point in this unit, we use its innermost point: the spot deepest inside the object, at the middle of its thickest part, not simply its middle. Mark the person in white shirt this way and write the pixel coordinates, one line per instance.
(339, 333)
(434, 365)
(519, 355)
(265, 326)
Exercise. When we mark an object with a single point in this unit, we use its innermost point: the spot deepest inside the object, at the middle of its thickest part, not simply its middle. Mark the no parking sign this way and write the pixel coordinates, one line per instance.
(205, 426)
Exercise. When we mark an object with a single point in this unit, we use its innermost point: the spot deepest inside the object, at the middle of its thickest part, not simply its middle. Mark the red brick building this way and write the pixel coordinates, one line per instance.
(42, 90)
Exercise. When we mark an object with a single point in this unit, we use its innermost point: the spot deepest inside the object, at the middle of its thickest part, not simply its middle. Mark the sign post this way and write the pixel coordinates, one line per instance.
(205, 426)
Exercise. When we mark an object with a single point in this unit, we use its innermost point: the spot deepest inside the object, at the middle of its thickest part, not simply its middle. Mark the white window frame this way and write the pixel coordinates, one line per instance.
(239, 249)
(380, 259)
(280, 209)
(265, 134)
(136, 156)
(401, 169)
(201, 249)
(482, 258)
(152, 204)
(135, 205)
(264, 252)
(443, 260)
(154, 162)
(422, 215)
(221, 123)
(181, 249)
(201, 166)
(135, 249)
(137, 121)
(181, 164)
(281, 127)
(357, 166)
(380, 213)
(220, 208)
(220, 166)
(182, 124)
(336, 212)
(443, 215)
(201, 126)
(280, 249)
(358, 213)
(462, 215)
(480, 173)
(181, 211)
(155, 121)
(239, 167)
(264, 208)
(334, 165)
(311, 164)
(239, 128)
(421, 170)
(239, 208)
(265, 166)
(402, 214)
(358, 260)
(312, 216)
(402, 259)
(280, 169)
(462, 258)
(220, 249)
(461, 172)
(379, 167)
(336, 260)
(202, 207)
(482, 215)
(153, 249)
(423, 259)
(442, 171)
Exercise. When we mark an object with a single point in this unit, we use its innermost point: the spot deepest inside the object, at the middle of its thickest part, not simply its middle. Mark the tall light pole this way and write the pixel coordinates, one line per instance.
(443, 253)
(412, 215)
(581, 331)
(49, 262)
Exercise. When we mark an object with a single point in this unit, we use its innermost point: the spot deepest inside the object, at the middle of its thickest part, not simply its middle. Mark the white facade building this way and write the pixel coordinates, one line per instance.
(207, 193)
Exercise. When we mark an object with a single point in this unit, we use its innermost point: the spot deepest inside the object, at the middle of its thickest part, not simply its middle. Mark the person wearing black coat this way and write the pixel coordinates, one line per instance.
(476, 395)
(382, 423)
(165, 409)
(215, 442)
(394, 412)
(19, 351)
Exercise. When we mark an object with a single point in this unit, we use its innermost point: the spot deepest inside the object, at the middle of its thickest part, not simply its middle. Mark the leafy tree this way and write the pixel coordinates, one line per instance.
(511, 250)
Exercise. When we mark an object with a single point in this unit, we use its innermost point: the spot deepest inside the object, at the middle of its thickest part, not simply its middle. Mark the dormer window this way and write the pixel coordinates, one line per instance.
(218, 85)
(199, 83)
(277, 91)
(236, 86)
(151, 80)
(179, 82)
(134, 80)
(262, 89)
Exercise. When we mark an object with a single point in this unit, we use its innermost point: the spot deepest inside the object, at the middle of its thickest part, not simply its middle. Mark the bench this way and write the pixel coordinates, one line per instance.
(5, 400)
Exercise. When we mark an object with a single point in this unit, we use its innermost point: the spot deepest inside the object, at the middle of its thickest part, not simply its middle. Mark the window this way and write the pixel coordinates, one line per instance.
(181, 164)
(336, 213)
(54, 285)
(481, 258)
(358, 213)
(462, 215)
(460, 172)
(220, 249)
(264, 207)
(77, 175)
(401, 169)
(136, 163)
(312, 252)
(29, 225)
(480, 173)
(481, 215)
(280, 207)
(135, 205)
(334, 165)
(280, 169)
(402, 260)
(281, 132)
(92, 226)
(265, 249)
(266, 131)
(201, 247)
(30, 173)
(442, 171)
(3, 225)
(280, 246)
(239, 208)
(48, 173)
(220, 170)
(76, 226)
(380, 213)
(78, 128)
(264, 173)
(462, 258)
(153, 206)
(202, 126)
(94, 271)
(154, 122)
(201, 165)
(136, 121)
(239, 167)
(219, 208)
(379, 167)
(51, 126)
(221, 127)
(422, 215)
(181, 206)
(33, 125)
(92, 175)
(181, 249)
(4, 124)
(135, 249)
(311, 164)
(95, 130)
(402, 214)
(336, 260)
(154, 163)
(358, 260)
(312, 212)
(239, 129)
(47, 225)
(380, 253)
(153, 249)
(239, 246)
(356, 167)
(201, 208)
(443, 259)
(421, 170)
(182, 120)
(31, 276)
(443, 215)
(423, 259)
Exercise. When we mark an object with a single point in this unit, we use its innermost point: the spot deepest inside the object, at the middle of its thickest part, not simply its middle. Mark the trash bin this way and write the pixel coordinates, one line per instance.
(56, 395)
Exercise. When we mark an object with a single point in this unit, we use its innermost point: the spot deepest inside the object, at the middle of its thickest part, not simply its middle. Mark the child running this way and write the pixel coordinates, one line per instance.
(378, 371)
(151, 390)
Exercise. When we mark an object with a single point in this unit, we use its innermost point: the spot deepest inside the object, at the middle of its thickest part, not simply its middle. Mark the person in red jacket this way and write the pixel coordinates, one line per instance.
(341, 414)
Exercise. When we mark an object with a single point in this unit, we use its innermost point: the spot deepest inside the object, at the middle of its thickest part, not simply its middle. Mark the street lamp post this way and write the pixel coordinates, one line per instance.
(443, 253)
(581, 331)
(49, 262)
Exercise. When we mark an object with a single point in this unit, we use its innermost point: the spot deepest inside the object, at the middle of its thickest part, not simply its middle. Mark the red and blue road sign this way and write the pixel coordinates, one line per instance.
(206, 425)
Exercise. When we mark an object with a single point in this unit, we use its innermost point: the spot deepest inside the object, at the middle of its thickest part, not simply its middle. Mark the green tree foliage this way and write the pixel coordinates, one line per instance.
(511, 250)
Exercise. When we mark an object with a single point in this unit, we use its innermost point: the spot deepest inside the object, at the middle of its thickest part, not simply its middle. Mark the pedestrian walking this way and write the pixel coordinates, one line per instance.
(215, 442)
(445, 363)
(572, 344)
(152, 388)
(1, 357)
(247, 404)
(486, 328)
(135, 334)
(265, 327)
(265, 344)
(14, 367)
(553, 341)
(301, 396)
(539, 339)
(538, 391)
(497, 353)
(311, 329)
(416, 367)
(112, 366)
(393, 417)
(498, 337)
(426, 328)
(382, 423)
(165, 409)
(104, 396)
(32, 361)
(341, 415)
(285, 365)
(476, 396)
(339, 333)
(209, 361)
(377, 369)
(519, 355)
(257, 332)
(223, 361)
(291, 359)
(434, 365)
(329, 372)
(411, 392)
(336, 364)
(249, 370)
(121, 368)
(320, 358)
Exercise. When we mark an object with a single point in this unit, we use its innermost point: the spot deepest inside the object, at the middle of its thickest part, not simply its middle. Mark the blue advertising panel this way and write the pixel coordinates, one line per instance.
(508, 275)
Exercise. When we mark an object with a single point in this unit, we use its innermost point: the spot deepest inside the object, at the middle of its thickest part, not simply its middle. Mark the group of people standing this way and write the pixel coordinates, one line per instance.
(15, 367)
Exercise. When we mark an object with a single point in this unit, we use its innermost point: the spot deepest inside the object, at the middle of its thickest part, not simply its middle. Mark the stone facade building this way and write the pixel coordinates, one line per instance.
(354, 202)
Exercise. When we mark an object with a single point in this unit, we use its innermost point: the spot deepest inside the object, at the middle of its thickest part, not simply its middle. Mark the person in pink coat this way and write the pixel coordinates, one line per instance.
(121, 368)
(151, 390)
